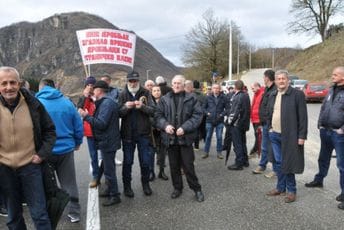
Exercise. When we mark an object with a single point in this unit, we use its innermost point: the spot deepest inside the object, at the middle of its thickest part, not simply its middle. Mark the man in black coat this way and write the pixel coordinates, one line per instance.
(287, 119)
(105, 127)
(239, 120)
(331, 127)
(135, 112)
(179, 115)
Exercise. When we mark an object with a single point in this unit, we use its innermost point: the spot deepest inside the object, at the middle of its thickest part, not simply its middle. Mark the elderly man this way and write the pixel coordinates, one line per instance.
(27, 136)
(287, 119)
(160, 81)
(135, 131)
(105, 124)
(149, 85)
(179, 115)
(331, 125)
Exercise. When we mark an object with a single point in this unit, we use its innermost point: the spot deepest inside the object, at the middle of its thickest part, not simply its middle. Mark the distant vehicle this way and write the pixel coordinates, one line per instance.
(225, 85)
(316, 91)
(299, 84)
(292, 78)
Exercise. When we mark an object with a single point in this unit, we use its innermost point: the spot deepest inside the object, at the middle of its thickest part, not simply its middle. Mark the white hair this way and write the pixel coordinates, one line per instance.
(180, 77)
(8, 69)
(160, 80)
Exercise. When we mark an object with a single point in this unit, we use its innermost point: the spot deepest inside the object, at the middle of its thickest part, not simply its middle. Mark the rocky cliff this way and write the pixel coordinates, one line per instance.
(49, 48)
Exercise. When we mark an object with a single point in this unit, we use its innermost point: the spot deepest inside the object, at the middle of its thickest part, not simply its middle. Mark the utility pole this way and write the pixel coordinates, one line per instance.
(249, 59)
(147, 73)
(230, 53)
(273, 59)
(238, 58)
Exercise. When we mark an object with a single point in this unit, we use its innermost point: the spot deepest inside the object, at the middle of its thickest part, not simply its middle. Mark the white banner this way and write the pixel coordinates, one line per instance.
(107, 46)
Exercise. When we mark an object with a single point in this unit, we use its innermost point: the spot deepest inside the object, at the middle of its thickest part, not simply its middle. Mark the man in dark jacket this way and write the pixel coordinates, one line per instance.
(135, 130)
(105, 127)
(331, 125)
(287, 119)
(239, 120)
(179, 115)
(214, 110)
(266, 149)
(27, 136)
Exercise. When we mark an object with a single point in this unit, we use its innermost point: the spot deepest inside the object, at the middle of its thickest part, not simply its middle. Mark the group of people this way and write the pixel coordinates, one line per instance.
(155, 118)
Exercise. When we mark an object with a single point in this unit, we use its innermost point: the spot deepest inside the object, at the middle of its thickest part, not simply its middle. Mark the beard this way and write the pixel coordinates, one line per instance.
(134, 90)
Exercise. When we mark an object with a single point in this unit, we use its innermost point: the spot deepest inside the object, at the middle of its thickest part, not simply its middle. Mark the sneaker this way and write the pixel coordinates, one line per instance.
(93, 184)
(3, 211)
(74, 218)
(270, 175)
(118, 162)
(258, 170)
(219, 155)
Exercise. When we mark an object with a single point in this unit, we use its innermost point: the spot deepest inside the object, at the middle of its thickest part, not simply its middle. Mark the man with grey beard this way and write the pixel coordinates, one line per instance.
(135, 130)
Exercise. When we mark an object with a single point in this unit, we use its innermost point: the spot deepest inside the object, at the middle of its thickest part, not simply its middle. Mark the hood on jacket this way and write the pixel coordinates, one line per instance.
(49, 93)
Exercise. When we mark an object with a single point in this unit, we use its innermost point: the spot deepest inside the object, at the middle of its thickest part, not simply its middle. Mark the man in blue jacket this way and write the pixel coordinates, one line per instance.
(105, 127)
(69, 132)
(215, 109)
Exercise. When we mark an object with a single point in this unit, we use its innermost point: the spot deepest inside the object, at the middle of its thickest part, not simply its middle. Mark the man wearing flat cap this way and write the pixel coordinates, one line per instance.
(135, 131)
(105, 126)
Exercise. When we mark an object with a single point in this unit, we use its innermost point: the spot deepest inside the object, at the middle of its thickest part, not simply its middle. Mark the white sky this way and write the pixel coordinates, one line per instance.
(164, 23)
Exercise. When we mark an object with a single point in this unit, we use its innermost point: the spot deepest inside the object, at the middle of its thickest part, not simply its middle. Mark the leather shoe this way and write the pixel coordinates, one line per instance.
(128, 192)
(246, 164)
(275, 192)
(176, 193)
(199, 196)
(151, 176)
(162, 175)
(104, 193)
(340, 198)
(341, 205)
(112, 201)
(146, 189)
(235, 167)
(290, 197)
(314, 184)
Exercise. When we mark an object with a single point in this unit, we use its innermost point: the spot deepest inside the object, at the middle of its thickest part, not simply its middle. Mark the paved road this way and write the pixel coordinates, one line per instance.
(234, 200)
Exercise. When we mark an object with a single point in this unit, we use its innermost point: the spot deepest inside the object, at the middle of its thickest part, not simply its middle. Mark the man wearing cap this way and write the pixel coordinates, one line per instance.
(105, 125)
(135, 130)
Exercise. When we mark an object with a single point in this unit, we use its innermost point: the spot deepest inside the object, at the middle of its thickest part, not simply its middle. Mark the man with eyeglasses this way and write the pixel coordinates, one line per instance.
(135, 131)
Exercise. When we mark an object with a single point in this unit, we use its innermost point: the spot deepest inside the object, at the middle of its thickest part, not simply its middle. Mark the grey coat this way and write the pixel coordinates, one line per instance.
(188, 114)
(294, 122)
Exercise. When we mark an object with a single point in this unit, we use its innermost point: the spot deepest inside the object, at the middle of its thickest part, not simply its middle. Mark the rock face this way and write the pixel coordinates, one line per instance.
(49, 48)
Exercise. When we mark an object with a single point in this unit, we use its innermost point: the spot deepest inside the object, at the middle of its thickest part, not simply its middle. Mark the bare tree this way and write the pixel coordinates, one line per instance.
(313, 15)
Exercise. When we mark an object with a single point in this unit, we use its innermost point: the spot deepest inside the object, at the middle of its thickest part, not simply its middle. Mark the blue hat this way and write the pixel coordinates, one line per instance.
(90, 80)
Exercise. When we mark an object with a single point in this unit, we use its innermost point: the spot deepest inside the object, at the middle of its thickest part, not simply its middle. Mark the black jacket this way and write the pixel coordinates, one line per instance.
(43, 126)
(263, 108)
(188, 114)
(239, 113)
(135, 122)
(215, 110)
(332, 110)
(294, 125)
(105, 125)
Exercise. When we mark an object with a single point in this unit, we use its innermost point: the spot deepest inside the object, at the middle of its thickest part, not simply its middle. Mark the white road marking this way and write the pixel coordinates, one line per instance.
(92, 219)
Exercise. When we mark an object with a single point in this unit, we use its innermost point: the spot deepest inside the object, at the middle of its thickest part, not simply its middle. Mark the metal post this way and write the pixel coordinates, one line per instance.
(147, 73)
(230, 53)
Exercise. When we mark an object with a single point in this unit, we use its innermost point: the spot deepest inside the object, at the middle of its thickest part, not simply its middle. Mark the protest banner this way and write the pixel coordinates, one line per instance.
(107, 46)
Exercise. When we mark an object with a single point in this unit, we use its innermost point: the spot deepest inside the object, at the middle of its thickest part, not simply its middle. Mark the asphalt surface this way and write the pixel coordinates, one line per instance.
(233, 199)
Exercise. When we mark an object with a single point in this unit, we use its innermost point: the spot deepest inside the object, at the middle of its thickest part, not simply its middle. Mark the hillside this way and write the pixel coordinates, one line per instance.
(317, 62)
(49, 48)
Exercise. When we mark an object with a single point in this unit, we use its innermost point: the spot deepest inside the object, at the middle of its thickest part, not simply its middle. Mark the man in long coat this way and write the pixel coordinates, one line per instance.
(287, 117)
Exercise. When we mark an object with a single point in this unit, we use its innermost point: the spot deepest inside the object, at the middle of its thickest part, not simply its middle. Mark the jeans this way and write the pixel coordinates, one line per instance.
(330, 140)
(218, 130)
(152, 151)
(110, 172)
(239, 144)
(285, 182)
(265, 147)
(26, 180)
(128, 159)
(94, 157)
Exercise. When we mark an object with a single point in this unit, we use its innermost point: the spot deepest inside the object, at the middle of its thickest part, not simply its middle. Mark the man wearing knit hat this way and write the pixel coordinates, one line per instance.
(135, 130)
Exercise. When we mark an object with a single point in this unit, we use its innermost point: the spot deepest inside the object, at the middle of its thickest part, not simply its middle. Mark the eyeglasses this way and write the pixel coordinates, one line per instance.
(133, 81)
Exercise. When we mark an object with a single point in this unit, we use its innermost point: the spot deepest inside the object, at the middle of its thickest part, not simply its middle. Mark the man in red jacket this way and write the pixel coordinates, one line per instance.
(257, 98)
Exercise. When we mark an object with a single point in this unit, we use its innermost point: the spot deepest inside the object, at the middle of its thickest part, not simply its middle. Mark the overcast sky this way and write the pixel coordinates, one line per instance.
(165, 23)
